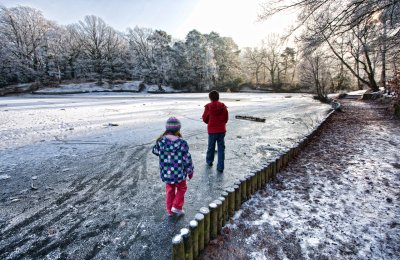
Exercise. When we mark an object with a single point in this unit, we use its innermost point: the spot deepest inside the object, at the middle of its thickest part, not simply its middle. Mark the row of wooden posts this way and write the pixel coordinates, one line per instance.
(208, 223)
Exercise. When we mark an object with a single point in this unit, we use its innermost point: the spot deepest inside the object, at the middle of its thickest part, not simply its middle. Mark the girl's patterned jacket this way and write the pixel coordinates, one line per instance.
(175, 160)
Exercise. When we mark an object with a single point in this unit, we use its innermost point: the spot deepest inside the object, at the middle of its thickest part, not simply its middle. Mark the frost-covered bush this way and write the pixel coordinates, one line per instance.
(394, 86)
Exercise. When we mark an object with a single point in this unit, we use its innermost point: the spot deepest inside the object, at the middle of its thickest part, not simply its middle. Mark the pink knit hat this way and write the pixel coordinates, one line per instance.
(173, 124)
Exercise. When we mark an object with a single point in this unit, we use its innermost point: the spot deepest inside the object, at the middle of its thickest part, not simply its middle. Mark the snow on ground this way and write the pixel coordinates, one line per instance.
(339, 199)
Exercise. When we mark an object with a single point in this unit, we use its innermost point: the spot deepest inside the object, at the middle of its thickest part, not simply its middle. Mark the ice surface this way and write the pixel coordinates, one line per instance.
(97, 179)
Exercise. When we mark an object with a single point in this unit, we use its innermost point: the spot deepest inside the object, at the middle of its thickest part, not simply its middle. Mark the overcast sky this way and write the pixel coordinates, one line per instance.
(231, 18)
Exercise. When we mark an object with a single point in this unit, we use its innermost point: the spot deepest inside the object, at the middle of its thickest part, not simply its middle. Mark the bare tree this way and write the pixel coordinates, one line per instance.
(72, 44)
(226, 55)
(152, 52)
(347, 13)
(288, 64)
(315, 73)
(332, 19)
(254, 60)
(197, 51)
(24, 30)
(97, 40)
(315, 35)
(140, 48)
(272, 49)
(161, 57)
(116, 52)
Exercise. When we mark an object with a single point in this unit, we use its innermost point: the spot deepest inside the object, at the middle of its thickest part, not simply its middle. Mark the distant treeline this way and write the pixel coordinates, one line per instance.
(34, 49)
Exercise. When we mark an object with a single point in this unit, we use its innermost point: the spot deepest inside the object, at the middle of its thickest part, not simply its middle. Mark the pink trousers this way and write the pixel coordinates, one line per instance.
(175, 195)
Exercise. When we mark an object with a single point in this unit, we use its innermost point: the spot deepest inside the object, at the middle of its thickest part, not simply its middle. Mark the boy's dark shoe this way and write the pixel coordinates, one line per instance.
(220, 171)
(209, 164)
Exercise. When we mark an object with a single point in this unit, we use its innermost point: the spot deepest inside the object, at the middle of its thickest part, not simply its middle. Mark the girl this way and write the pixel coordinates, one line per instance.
(175, 165)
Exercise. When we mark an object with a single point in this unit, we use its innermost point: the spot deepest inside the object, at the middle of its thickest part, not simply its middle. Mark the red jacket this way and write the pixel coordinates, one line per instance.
(215, 116)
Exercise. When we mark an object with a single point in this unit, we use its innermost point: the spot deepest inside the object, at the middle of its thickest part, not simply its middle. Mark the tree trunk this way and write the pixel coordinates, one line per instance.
(383, 74)
(370, 72)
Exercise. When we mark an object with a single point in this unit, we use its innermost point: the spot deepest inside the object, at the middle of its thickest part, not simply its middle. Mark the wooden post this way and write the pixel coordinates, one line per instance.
(284, 160)
(251, 175)
(296, 150)
(219, 203)
(239, 193)
(231, 201)
(178, 248)
(253, 182)
(238, 197)
(206, 212)
(248, 186)
(264, 174)
(274, 170)
(200, 220)
(243, 188)
(277, 165)
(269, 172)
(225, 203)
(259, 173)
(213, 221)
(194, 233)
(237, 182)
(306, 140)
(187, 241)
(291, 153)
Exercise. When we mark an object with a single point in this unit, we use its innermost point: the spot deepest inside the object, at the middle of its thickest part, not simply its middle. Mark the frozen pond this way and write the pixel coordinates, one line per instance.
(78, 179)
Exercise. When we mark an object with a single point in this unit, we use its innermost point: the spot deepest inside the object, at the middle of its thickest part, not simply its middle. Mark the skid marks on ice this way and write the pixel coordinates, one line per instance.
(88, 210)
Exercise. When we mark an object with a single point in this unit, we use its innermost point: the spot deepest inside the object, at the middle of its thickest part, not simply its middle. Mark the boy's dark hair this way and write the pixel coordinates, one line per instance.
(214, 95)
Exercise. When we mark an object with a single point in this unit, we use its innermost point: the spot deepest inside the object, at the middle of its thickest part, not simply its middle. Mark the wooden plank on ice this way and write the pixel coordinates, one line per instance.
(251, 118)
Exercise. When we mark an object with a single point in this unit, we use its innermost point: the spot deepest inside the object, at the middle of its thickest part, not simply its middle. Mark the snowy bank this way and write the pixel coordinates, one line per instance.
(16, 89)
(129, 86)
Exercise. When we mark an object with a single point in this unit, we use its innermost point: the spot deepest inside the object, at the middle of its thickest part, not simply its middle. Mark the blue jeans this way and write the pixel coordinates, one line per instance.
(219, 139)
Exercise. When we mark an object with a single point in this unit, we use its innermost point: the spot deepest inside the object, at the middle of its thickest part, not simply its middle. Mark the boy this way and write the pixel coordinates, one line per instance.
(215, 116)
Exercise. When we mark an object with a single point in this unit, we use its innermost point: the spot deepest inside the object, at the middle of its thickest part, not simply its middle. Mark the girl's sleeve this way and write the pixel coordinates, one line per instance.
(187, 160)
(156, 149)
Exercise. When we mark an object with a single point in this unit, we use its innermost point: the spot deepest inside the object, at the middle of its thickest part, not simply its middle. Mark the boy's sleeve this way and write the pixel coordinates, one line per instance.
(206, 115)
(156, 149)
(226, 114)
(187, 161)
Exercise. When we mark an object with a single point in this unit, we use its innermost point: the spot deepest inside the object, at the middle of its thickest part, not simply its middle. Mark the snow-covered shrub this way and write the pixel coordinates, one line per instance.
(394, 85)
